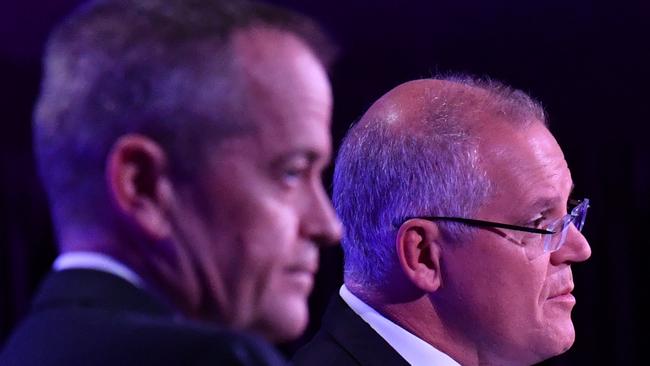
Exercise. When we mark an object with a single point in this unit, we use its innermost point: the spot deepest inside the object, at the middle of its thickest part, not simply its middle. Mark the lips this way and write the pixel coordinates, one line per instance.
(562, 292)
(302, 275)
(306, 267)
(561, 286)
(305, 261)
(563, 295)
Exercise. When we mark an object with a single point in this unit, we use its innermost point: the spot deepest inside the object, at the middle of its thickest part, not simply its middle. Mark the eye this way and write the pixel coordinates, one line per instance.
(294, 171)
(536, 222)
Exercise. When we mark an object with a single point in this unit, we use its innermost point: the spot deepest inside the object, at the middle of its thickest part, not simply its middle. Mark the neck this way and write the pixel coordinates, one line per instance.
(162, 270)
(417, 313)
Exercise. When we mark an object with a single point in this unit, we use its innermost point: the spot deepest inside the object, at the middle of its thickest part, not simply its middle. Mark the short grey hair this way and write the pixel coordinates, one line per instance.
(161, 68)
(384, 174)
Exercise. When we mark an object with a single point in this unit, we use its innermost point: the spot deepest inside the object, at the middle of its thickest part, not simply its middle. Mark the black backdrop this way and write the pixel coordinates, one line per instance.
(585, 60)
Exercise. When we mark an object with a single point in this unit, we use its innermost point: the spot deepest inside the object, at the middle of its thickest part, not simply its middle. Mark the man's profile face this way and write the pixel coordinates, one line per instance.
(260, 204)
(518, 309)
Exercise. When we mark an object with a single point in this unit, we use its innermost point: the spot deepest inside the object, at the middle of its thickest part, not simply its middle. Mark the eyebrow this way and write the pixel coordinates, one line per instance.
(543, 204)
(310, 155)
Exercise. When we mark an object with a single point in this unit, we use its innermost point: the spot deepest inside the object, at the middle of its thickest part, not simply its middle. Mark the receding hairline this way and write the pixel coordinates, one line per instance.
(477, 102)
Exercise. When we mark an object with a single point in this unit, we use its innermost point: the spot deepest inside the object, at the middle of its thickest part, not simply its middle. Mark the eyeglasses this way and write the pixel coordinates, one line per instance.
(554, 235)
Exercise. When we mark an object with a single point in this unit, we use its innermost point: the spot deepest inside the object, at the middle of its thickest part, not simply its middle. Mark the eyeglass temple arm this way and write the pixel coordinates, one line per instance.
(485, 224)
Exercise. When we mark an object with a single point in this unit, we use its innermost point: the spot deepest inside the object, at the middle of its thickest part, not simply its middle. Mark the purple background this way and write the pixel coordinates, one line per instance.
(587, 61)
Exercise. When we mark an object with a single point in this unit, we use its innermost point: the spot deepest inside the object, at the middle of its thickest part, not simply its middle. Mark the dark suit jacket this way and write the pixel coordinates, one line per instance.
(86, 317)
(346, 339)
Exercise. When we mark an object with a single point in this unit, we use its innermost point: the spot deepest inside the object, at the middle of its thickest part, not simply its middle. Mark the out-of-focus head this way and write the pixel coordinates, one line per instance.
(461, 148)
(187, 139)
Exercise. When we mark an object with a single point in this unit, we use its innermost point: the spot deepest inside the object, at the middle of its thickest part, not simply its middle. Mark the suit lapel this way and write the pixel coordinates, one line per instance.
(357, 337)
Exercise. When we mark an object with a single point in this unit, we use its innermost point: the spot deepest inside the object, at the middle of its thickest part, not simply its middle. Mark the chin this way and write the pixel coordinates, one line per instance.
(556, 342)
(286, 323)
(560, 333)
(566, 340)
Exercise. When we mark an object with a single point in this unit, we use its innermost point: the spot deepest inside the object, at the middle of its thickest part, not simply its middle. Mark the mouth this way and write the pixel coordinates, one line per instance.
(564, 295)
(302, 276)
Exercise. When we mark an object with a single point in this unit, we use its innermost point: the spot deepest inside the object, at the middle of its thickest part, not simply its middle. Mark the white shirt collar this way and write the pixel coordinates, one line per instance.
(99, 262)
(413, 349)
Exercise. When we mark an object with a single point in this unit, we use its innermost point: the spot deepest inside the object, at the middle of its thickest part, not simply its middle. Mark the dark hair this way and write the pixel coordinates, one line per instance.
(155, 67)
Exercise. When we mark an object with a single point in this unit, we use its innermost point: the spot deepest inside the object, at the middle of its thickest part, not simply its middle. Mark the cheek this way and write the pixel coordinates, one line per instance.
(283, 311)
(526, 324)
(280, 295)
(270, 237)
(558, 330)
(269, 245)
(499, 290)
(520, 284)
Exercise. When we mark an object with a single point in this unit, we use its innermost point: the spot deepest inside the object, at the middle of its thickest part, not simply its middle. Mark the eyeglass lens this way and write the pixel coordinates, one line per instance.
(577, 216)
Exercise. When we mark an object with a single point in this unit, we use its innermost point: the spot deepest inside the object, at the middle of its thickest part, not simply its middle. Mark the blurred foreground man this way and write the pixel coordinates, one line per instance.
(460, 232)
(181, 145)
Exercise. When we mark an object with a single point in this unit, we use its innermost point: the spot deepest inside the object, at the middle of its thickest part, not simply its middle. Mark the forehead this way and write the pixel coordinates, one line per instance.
(286, 95)
(525, 165)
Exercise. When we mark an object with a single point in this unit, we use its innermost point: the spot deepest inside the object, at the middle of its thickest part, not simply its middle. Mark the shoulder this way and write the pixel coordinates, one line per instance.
(130, 339)
(346, 339)
(83, 317)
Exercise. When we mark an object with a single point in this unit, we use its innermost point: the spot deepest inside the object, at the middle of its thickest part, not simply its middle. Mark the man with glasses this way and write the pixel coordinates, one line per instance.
(181, 144)
(460, 232)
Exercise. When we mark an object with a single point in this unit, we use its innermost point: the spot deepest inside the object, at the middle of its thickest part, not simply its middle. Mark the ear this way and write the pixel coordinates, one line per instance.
(418, 251)
(137, 178)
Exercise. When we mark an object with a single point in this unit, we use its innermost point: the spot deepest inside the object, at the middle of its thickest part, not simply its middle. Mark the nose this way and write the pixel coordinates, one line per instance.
(320, 222)
(575, 249)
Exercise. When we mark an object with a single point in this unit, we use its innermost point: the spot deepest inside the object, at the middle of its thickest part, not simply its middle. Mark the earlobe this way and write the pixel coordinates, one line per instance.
(136, 174)
(419, 253)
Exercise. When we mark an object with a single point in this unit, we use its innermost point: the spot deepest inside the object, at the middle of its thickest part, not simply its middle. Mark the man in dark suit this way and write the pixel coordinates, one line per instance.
(458, 244)
(181, 144)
